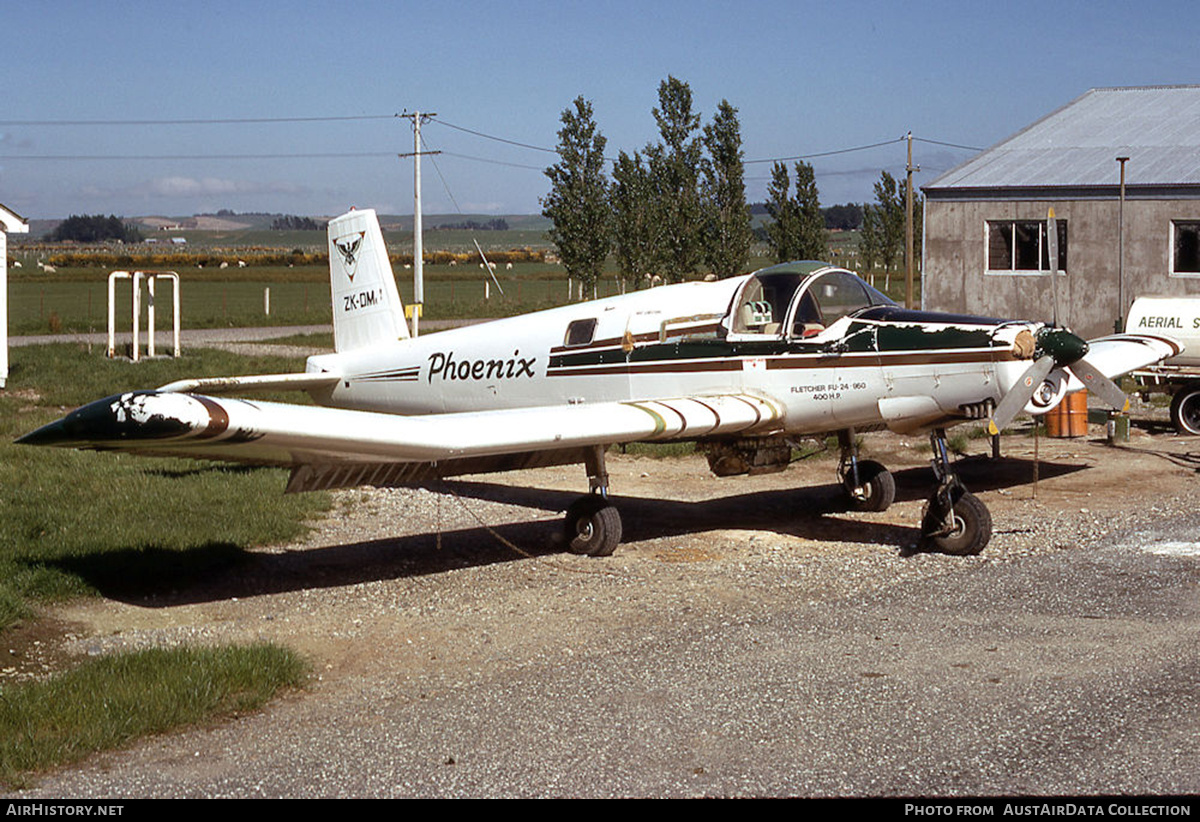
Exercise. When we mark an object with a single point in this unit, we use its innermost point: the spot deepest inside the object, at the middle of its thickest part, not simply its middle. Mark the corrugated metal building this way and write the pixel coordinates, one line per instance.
(985, 237)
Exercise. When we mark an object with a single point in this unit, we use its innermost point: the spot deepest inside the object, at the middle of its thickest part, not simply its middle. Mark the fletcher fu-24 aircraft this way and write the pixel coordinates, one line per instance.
(743, 366)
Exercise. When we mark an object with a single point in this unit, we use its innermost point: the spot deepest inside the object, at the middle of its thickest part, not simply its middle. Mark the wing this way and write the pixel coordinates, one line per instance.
(332, 447)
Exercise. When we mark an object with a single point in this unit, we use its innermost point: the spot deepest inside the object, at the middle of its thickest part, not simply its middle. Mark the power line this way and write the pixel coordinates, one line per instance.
(199, 121)
(147, 157)
(491, 162)
(497, 139)
(823, 153)
(950, 145)
(350, 155)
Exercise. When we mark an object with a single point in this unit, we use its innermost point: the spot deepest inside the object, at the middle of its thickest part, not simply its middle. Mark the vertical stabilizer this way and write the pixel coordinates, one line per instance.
(366, 305)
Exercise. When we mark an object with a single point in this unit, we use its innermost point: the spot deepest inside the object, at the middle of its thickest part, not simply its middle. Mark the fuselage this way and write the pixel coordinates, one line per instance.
(815, 340)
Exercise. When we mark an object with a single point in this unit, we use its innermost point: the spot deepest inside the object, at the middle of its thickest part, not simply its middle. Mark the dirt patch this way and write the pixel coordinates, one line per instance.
(39, 647)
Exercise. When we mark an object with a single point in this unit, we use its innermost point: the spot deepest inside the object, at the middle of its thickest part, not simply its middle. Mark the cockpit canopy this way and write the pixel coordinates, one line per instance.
(799, 300)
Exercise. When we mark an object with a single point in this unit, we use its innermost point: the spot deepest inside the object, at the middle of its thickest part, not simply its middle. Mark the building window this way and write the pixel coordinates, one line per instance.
(1020, 247)
(1185, 247)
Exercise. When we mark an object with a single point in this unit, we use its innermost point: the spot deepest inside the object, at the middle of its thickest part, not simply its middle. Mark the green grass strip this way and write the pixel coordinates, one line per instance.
(107, 702)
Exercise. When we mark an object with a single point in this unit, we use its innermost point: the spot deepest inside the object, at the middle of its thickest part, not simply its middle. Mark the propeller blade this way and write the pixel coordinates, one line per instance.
(1100, 385)
(1020, 394)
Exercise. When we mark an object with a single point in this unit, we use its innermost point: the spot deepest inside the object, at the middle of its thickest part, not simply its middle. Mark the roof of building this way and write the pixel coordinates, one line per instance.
(11, 221)
(1076, 147)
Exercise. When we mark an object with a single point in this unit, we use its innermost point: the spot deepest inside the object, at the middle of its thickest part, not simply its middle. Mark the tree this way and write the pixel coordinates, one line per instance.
(782, 232)
(290, 222)
(634, 227)
(94, 228)
(870, 242)
(798, 232)
(578, 199)
(673, 173)
(845, 217)
(727, 235)
(890, 212)
(814, 244)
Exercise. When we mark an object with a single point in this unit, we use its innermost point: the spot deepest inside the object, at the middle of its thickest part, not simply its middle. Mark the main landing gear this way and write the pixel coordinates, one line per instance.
(954, 520)
(868, 485)
(593, 524)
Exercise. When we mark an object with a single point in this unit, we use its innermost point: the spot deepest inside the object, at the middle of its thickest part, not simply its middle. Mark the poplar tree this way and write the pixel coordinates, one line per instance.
(782, 231)
(889, 208)
(578, 200)
(810, 234)
(634, 227)
(727, 235)
(673, 167)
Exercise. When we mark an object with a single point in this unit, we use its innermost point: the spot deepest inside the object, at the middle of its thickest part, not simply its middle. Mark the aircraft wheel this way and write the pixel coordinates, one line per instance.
(878, 490)
(593, 527)
(971, 531)
(1185, 409)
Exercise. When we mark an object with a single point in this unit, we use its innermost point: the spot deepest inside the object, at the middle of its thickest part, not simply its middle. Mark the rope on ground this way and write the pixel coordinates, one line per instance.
(507, 542)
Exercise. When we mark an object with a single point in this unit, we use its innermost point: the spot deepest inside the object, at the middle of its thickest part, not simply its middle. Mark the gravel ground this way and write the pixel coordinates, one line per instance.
(747, 639)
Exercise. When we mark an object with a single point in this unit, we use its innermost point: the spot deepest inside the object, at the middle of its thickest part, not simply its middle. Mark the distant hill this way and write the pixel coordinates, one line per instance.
(231, 228)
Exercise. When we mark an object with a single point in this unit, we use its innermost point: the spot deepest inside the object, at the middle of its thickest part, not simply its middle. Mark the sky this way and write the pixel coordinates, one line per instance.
(157, 108)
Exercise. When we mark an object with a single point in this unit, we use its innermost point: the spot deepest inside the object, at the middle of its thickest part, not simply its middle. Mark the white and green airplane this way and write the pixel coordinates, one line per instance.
(742, 366)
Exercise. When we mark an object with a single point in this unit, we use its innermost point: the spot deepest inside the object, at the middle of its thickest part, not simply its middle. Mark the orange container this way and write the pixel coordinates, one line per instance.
(1069, 417)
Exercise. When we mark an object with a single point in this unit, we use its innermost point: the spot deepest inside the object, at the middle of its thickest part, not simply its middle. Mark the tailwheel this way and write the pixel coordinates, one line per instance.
(955, 522)
(593, 526)
(875, 489)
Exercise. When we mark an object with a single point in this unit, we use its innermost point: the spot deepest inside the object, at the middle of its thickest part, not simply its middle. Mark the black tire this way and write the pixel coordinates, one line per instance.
(972, 527)
(878, 489)
(593, 527)
(1185, 409)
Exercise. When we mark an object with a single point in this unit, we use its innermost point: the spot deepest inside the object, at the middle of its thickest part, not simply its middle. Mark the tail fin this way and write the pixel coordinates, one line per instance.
(366, 305)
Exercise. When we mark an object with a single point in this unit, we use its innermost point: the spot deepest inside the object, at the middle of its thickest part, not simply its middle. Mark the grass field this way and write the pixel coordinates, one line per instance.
(76, 523)
(109, 701)
(76, 300)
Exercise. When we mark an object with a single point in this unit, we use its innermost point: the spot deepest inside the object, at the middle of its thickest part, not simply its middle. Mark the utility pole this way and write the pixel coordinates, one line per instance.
(908, 227)
(1119, 324)
(418, 250)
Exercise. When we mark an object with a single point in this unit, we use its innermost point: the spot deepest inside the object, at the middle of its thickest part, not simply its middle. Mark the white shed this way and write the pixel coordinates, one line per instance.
(10, 223)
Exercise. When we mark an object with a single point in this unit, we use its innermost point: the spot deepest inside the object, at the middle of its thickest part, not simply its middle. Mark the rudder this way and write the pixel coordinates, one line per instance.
(366, 305)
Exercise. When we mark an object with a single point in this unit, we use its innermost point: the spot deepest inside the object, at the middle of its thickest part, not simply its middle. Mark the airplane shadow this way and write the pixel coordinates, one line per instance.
(153, 576)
